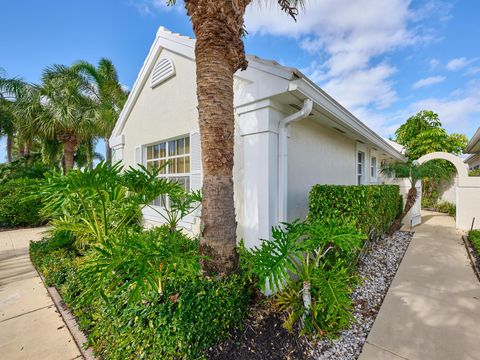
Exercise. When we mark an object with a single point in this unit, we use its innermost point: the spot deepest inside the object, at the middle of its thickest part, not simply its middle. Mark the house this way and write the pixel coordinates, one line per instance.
(473, 148)
(289, 136)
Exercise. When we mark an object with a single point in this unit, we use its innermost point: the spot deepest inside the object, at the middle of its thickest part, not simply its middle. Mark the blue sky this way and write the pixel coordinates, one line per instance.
(383, 60)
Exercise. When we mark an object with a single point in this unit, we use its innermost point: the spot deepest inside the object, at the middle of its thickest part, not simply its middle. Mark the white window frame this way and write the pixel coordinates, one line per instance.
(373, 167)
(360, 167)
(167, 158)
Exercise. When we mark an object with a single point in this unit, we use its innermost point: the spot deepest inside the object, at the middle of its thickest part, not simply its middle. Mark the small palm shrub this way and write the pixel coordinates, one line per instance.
(310, 266)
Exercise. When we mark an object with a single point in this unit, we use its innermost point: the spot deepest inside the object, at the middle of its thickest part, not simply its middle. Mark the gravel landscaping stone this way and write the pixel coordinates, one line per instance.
(377, 269)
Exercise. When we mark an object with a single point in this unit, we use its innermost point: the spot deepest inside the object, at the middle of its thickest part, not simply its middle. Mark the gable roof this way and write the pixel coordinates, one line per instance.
(185, 46)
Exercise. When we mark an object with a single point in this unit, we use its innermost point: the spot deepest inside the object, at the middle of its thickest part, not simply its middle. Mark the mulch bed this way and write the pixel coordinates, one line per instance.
(262, 338)
(3, 229)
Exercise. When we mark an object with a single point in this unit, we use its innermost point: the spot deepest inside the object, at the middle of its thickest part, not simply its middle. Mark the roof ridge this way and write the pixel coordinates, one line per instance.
(163, 29)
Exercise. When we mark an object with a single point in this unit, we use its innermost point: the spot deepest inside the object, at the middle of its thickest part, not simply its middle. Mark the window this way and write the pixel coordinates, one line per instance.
(360, 168)
(373, 168)
(173, 158)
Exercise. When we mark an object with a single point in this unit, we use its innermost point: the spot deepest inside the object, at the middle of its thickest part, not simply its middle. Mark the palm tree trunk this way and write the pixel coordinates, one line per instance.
(68, 153)
(411, 198)
(108, 151)
(219, 53)
(9, 147)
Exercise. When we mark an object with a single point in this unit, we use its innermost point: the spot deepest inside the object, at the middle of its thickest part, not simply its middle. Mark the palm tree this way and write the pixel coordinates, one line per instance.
(7, 124)
(219, 53)
(414, 172)
(109, 94)
(69, 112)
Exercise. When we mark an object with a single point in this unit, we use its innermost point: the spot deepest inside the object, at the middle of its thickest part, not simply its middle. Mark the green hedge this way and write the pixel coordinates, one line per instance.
(373, 208)
(17, 207)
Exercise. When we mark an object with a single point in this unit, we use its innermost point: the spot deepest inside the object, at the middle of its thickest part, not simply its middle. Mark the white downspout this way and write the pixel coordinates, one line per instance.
(283, 157)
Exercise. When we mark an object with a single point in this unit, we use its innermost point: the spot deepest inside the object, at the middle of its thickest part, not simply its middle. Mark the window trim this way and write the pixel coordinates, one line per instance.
(167, 158)
(373, 168)
(360, 174)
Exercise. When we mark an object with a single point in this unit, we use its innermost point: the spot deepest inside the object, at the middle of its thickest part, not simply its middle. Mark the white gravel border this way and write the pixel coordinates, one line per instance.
(377, 269)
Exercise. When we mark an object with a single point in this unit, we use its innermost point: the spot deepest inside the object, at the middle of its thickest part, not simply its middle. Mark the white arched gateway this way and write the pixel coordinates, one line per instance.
(467, 192)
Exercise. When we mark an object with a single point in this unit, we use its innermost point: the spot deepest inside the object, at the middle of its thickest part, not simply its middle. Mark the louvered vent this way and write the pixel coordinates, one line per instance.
(162, 71)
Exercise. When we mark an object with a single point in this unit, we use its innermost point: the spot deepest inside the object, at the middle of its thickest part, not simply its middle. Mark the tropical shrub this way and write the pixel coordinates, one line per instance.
(372, 208)
(17, 207)
(98, 204)
(130, 318)
(474, 172)
(447, 208)
(320, 255)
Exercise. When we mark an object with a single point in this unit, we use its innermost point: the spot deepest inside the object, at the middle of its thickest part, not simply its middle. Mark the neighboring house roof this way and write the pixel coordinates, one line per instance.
(473, 145)
(298, 83)
(471, 158)
(400, 148)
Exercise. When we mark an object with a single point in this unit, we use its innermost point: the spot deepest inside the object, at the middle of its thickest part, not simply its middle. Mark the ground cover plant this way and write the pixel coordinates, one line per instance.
(136, 293)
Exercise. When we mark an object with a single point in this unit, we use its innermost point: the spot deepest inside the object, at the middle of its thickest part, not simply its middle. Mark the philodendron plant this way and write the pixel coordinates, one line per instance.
(304, 260)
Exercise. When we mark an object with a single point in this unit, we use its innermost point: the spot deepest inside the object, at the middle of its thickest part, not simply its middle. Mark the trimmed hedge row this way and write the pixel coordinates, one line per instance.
(373, 208)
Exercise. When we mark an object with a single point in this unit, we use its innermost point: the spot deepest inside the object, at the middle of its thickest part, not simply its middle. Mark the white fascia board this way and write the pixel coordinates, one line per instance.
(164, 40)
(474, 142)
(321, 98)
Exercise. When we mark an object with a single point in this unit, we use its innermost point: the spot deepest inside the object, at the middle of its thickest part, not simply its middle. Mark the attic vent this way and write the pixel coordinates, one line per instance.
(339, 130)
(163, 70)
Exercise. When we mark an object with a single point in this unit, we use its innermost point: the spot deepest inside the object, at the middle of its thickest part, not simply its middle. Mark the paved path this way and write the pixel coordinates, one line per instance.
(30, 327)
(432, 310)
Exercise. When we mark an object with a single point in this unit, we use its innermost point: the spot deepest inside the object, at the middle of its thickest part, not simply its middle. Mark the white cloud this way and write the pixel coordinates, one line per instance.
(473, 71)
(459, 63)
(428, 81)
(456, 114)
(364, 87)
(352, 36)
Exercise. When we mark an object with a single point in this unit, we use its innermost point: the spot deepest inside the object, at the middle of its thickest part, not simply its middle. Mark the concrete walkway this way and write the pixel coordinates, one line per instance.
(432, 309)
(30, 327)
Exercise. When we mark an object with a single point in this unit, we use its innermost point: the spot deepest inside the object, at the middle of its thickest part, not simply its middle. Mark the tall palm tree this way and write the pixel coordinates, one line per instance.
(69, 111)
(414, 172)
(24, 104)
(219, 53)
(7, 124)
(109, 94)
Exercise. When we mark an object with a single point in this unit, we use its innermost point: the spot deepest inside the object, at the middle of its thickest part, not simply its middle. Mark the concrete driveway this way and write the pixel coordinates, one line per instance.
(30, 327)
(432, 309)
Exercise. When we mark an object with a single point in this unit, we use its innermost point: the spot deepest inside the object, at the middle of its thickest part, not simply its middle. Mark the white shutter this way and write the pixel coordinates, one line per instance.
(195, 161)
(138, 156)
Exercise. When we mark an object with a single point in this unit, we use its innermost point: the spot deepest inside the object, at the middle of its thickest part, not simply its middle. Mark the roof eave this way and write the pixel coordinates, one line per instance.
(314, 92)
(474, 141)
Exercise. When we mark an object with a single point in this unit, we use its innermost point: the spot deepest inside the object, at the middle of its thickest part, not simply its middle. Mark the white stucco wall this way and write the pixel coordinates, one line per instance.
(166, 111)
(448, 190)
(316, 155)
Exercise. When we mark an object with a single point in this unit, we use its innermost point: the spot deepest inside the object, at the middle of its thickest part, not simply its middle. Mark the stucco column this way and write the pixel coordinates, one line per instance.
(258, 125)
